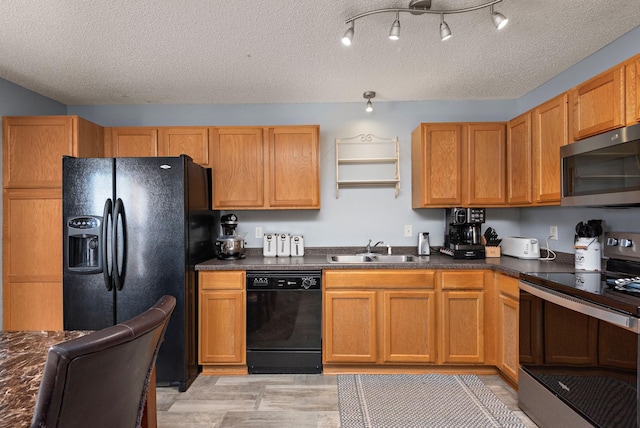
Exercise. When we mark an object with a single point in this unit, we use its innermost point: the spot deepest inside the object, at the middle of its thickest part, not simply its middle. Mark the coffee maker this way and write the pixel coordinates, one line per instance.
(463, 234)
(229, 245)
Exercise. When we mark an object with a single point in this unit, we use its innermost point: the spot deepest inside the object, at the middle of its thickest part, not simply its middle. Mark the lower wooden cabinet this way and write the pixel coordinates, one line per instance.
(508, 322)
(222, 322)
(462, 327)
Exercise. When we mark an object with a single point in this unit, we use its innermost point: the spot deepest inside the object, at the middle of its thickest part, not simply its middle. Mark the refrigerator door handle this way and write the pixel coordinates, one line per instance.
(119, 245)
(107, 261)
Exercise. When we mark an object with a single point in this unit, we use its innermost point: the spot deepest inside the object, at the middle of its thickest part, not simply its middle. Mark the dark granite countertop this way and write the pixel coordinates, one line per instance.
(22, 358)
(316, 258)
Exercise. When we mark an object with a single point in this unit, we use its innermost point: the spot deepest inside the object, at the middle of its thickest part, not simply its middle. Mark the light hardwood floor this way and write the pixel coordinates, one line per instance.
(265, 401)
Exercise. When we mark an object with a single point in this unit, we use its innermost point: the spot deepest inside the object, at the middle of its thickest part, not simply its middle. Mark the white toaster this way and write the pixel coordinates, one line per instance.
(520, 247)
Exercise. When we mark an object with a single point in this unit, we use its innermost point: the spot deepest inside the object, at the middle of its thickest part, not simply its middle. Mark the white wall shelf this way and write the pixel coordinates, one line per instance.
(367, 160)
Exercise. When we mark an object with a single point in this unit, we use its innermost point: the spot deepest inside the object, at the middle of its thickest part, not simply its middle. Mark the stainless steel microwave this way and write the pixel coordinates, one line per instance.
(603, 170)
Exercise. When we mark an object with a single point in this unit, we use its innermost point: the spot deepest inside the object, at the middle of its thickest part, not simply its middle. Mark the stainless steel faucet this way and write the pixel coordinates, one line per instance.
(369, 246)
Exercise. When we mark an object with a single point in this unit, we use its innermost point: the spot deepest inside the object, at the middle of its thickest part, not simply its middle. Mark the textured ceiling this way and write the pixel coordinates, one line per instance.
(289, 51)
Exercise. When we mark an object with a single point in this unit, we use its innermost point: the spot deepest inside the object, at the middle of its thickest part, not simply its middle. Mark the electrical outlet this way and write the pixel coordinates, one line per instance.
(408, 231)
(553, 232)
(258, 232)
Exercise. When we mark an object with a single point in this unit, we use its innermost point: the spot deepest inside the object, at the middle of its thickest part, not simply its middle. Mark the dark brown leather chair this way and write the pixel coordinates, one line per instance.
(101, 379)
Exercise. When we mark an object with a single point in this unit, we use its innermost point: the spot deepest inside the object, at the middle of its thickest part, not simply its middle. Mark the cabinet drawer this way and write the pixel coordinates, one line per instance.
(222, 280)
(468, 280)
(378, 278)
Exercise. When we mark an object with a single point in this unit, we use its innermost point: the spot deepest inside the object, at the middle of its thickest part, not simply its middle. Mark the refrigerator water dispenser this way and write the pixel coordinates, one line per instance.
(84, 242)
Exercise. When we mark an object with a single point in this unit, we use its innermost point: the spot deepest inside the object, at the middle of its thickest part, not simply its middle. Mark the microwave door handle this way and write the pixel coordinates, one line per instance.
(627, 322)
(106, 256)
(117, 240)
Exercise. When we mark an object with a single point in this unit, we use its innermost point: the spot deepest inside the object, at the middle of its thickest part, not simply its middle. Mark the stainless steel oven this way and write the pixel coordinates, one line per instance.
(579, 336)
(284, 322)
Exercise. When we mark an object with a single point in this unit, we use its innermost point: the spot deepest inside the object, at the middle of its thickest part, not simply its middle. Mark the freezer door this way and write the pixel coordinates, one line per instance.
(87, 189)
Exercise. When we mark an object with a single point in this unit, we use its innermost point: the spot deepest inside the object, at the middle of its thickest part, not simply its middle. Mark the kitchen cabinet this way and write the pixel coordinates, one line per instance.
(32, 148)
(461, 329)
(632, 94)
(598, 105)
(191, 141)
(270, 168)
(519, 160)
(134, 142)
(550, 132)
(458, 164)
(486, 155)
(222, 322)
(378, 317)
(437, 165)
(508, 321)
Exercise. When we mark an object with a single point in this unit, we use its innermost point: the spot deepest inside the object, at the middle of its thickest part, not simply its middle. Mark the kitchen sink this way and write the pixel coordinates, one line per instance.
(373, 258)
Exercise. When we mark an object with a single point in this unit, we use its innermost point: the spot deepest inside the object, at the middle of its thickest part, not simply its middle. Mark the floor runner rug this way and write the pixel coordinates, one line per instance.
(429, 400)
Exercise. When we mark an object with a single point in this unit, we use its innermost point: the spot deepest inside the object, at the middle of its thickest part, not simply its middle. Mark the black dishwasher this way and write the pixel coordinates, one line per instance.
(284, 322)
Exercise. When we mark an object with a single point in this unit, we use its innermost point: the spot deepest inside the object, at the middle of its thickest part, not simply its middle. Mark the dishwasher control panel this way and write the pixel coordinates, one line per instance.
(284, 280)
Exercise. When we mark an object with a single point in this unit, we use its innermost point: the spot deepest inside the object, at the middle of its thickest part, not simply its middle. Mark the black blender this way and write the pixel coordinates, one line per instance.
(229, 245)
(463, 237)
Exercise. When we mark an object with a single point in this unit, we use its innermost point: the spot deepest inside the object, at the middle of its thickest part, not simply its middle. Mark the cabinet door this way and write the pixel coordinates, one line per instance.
(508, 336)
(238, 168)
(598, 104)
(32, 150)
(349, 327)
(409, 326)
(486, 152)
(519, 161)
(32, 259)
(436, 165)
(550, 132)
(134, 142)
(222, 327)
(462, 327)
(293, 172)
(636, 94)
(190, 141)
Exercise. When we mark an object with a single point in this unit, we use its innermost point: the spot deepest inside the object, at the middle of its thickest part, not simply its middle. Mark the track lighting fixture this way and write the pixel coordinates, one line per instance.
(423, 7)
(394, 34)
(367, 96)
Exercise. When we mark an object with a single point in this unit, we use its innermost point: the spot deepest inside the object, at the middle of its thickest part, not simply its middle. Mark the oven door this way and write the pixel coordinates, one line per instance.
(584, 354)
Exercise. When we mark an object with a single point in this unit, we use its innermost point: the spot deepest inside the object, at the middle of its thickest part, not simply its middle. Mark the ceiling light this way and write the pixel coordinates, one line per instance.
(348, 35)
(367, 96)
(423, 7)
(445, 31)
(499, 20)
(394, 34)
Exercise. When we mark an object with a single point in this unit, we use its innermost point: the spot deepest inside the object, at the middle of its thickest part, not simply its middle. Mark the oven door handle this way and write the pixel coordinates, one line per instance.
(625, 321)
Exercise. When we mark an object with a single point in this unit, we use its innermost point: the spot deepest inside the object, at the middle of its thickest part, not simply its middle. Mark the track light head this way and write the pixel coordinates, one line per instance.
(348, 35)
(394, 34)
(367, 96)
(498, 19)
(445, 31)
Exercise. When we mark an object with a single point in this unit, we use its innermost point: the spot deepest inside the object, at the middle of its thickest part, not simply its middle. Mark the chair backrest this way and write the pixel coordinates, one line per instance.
(101, 379)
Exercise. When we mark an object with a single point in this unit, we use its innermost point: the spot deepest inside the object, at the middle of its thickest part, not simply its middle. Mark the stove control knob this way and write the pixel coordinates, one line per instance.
(612, 242)
(626, 242)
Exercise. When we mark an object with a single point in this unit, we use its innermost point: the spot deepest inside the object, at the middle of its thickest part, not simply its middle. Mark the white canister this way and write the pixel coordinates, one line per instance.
(269, 245)
(588, 256)
(297, 246)
(283, 245)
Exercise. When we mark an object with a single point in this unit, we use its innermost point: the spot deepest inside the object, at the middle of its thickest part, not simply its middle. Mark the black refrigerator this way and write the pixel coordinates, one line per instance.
(133, 230)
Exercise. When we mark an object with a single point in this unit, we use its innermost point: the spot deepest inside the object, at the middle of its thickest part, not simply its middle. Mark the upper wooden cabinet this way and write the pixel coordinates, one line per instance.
(190, 141)
(436, 165)
(486, 152)
(454, 164)
(33, 147)
(598, 105)
(550, 132)
(519, 162)
(134, 142)
(270, 168)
